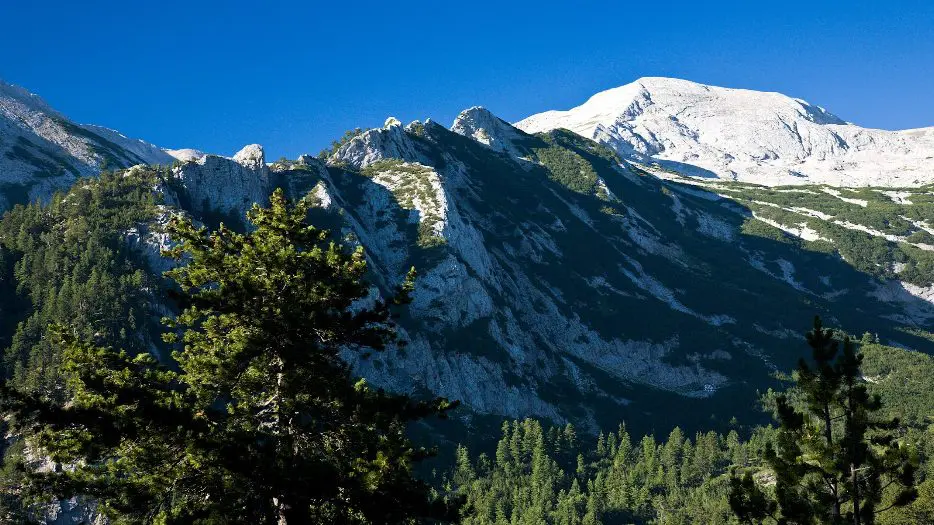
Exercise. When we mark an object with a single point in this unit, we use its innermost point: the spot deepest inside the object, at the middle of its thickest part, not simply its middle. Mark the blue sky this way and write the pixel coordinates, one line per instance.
(294, 75)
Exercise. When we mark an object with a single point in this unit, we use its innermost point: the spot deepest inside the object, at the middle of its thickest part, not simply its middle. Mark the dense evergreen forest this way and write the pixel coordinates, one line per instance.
(70, 262)
(550, 474)
(195, 428)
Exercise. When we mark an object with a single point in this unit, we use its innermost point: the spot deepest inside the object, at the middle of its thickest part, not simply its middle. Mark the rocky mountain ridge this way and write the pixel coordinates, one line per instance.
(547, 258)
(561, 279)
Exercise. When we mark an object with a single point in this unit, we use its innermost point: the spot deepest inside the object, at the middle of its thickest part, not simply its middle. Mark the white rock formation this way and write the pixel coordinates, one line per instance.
(488, 129)
(390, 141)
(226, 185)
(186, 154)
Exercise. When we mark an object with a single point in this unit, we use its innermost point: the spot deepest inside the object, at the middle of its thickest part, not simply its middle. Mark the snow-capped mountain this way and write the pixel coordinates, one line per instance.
(41, 150)
(738, 134)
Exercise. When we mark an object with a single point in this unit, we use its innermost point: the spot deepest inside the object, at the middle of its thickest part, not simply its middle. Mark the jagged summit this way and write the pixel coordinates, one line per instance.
(251, 156)
(397, 141)
(390, 141)
(186, 154)
(483, 126)
(753, 136)
(227, 185)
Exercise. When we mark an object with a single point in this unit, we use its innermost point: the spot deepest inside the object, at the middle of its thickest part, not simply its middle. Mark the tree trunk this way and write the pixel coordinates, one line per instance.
(828, 436)
(281, 430)
(852, 444)
(854, 478)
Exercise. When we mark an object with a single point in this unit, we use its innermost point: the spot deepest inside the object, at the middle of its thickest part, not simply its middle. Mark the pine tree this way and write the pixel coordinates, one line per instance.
(263, 421)
(833, 458)
(464, 473)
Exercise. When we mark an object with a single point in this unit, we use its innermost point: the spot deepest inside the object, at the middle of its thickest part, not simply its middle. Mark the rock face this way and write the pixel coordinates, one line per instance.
(223, 185)
(42, 151)
(737, 134)
(555, 279)
(186, 154)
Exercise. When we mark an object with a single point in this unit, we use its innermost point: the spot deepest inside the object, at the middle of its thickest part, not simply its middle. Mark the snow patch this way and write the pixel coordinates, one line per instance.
(898, 197)
(837, 194)
(800, 230)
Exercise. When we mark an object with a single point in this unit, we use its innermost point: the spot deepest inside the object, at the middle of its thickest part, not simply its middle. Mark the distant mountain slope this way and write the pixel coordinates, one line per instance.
(738, 134)
(41, 150)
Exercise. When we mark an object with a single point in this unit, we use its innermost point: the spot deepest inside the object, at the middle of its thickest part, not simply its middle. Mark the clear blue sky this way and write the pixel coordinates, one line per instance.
(292, 75)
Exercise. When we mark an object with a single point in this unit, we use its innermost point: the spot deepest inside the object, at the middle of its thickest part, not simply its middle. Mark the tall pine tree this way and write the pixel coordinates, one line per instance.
(263, 421)
(834, 459)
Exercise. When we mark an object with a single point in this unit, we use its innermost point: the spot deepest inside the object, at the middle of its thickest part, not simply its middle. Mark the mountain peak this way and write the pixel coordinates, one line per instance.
(390, 141)
(754, 136)
(475, 112)
(41, 150)
(186, 154)
(675, 92)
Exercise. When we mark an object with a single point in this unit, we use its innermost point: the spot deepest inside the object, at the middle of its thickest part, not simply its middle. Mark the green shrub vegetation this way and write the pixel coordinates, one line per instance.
(348, 135)
(412, 186)
(908, 259)
(569, 168)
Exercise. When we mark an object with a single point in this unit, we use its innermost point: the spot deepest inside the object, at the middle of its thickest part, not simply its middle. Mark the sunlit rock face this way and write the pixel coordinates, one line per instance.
(562, 281)
(488, 129)
(225, 185)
